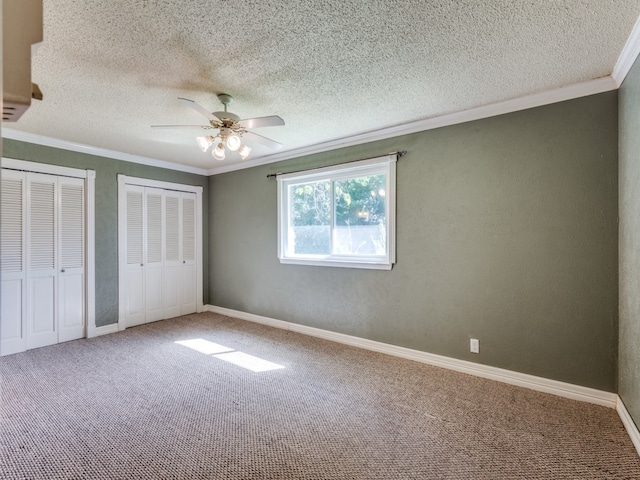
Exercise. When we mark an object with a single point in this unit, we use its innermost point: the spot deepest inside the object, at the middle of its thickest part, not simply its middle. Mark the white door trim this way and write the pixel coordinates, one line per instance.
(89, 177)
(123, 181)
(36, 167)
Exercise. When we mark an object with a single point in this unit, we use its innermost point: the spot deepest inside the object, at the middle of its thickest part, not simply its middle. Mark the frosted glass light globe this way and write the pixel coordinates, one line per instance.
(218, 152)
(234, 143)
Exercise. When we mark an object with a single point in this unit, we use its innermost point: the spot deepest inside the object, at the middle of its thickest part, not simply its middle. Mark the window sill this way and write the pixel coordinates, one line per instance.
(336, 263)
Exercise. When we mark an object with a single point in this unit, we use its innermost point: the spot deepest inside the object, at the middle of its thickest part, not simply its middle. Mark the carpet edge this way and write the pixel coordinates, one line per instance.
(541, 384)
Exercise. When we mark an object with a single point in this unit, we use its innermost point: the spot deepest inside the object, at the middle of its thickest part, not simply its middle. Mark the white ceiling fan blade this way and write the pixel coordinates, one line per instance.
(199, 127)
(200, 109)
(270, 121)
(267, 142)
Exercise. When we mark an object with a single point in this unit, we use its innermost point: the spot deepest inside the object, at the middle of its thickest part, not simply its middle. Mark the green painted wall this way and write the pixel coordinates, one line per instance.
(629, 358)
(507, 232)
(106, 248)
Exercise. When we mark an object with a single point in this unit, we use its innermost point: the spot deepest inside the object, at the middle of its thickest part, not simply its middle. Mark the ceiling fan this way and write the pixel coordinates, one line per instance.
(231, 129)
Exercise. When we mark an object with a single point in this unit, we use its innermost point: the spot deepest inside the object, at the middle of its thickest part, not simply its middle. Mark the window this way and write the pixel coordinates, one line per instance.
(342, 216)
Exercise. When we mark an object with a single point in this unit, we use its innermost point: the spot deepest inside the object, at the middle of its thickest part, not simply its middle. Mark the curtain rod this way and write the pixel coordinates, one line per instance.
(399, 153)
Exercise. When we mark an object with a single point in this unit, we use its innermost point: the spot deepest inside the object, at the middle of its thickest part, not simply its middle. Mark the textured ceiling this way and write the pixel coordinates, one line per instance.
(330, 68)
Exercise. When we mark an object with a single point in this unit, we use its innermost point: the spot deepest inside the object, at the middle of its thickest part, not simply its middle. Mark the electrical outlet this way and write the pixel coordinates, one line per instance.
(474, 345)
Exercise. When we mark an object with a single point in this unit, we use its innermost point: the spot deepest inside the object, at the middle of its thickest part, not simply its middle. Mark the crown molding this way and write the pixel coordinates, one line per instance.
(591, 87)
(570, 92)
(100, 152)
(628, 55)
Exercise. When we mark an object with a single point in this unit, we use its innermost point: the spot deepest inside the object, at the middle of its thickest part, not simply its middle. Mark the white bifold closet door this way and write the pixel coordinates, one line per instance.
(71, 271)
(161, 263)
(43, 260)
(13, 253)
(188, 267)
(134, 288)
(154, 262)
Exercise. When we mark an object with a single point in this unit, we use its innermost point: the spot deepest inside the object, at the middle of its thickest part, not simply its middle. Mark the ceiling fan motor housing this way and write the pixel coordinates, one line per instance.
(227, 116)
(226, 100)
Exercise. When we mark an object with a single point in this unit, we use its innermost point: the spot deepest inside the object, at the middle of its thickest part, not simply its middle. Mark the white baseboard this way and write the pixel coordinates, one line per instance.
(629, 424)
(562, 389)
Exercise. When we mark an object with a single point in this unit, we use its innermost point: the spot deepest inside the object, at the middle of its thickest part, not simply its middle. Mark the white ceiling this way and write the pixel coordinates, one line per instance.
(332, 69)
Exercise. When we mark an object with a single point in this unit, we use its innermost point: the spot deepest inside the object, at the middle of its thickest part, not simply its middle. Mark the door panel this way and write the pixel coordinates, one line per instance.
(188, 281)
(154, 254)
(11, 317)
(71, 279)
(71, 306)
(12, 262)
(134, 283)
(11, 309)
(188, 269)
(153, 294)
(135, 296)
(41, 260)
(172, 293)
(41, 318)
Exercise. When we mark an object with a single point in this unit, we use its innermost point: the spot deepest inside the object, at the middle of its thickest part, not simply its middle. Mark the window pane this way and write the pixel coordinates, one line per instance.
(339, 216)
(360, 217)
(310, 223)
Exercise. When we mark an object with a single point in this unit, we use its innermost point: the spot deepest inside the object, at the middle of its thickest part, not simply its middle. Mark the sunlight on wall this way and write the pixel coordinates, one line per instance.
(230, 355)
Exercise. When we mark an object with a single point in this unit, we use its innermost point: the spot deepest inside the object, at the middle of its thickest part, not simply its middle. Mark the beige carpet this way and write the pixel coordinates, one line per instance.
(137, 405)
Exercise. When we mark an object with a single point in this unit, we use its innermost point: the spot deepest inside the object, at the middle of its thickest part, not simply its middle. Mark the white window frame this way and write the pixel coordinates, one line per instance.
(380, 165)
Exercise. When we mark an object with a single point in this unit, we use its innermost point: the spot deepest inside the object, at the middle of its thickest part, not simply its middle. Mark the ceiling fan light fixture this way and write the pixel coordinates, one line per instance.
(230, 130)
(233, 142)
(245, 151)
(218, 152)
(204, 142)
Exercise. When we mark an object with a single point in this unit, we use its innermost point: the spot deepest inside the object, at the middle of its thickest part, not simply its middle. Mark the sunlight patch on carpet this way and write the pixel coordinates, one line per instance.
(249, 362)
(204, 346)
(241, 359)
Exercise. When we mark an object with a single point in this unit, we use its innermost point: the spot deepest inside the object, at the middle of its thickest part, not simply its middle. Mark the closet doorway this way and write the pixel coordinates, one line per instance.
(47, 257)
(159, 250)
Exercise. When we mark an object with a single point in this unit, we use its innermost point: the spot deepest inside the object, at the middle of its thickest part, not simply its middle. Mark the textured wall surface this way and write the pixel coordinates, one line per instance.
(106, 248)
(507, 232)
(629, 359)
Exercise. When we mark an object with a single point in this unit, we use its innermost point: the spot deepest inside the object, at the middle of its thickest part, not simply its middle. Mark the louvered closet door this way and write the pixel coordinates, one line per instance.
(172, 295)
(71, 263)
(13, 303)
(160, 250)
(41, 260)
(153, 265)
(134, 278)
(188, 269)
